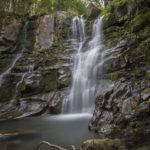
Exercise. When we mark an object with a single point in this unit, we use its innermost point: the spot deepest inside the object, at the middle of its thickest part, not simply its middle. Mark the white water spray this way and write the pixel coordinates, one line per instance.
(82, 95)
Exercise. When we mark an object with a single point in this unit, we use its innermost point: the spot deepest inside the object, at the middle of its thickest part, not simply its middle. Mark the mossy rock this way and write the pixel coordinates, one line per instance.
(103, 144)
(7, 90)
(115, 76)
(49, 81)
(115, 13)
(144, 47)
(148, 75)
(140, 20)
(5, 62)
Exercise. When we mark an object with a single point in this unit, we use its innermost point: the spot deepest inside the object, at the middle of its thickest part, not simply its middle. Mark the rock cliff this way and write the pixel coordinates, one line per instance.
(123, 110)
(34, 64)
(35, 70)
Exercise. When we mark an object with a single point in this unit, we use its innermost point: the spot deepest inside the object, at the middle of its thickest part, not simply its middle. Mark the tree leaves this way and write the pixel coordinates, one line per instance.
(33, 7)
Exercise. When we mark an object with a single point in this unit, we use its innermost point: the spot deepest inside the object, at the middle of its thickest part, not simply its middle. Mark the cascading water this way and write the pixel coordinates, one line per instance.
(82, 95)
(18, 56)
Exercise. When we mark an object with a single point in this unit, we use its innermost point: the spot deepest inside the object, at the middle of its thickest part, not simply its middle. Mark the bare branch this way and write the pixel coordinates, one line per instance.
(49, 145)
(73, 147)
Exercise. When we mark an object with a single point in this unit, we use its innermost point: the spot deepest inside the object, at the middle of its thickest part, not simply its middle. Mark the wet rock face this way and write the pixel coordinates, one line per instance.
(92, 11)
(10, 28)
(118, 108)
(9, 31)
(26, 107)
(120, 11)
(42, 69)
(35, 105)
(123, 110)
(45, 32)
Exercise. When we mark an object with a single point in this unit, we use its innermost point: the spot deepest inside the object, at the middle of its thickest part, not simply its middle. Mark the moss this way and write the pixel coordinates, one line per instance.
(138, 133)
(5, 62)
(112, 37)
(111, 5)
(103, 144)
(7, 90)
(115, 75)
(123, 18)
(143, 17)
(145, 33)
(49, 81)
(30, 35)
(144, 47)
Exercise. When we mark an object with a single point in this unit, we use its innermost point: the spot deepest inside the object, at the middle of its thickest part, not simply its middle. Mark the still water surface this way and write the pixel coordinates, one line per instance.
(64, 130)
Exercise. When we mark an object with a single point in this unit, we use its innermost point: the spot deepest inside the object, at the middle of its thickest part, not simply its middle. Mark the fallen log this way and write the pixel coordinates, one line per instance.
(49, 145)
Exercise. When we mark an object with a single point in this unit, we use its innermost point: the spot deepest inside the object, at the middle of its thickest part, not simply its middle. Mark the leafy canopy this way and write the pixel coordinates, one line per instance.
(33, 7)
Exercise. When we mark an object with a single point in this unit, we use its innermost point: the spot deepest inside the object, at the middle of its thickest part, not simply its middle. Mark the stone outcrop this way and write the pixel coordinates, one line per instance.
(10, 28)
(123, 111)
(92, 11)
(103, 144)
(45, 32)
(42, 67)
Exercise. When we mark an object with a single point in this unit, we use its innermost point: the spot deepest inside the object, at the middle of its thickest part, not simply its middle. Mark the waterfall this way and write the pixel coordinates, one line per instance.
(102, 2)
(78, 28)
(82, 94)
(18, 56)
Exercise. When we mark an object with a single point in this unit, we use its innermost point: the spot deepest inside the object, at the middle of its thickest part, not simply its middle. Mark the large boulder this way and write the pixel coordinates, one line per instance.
(92, 11)
(45, 32)
(10, 30)
(103, 144)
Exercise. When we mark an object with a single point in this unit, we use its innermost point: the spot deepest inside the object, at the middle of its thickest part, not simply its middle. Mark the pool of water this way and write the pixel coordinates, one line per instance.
(27, 133)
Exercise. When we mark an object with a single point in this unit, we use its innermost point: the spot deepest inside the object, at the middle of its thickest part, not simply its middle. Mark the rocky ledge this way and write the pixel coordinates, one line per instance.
(123, 110)
(34, 67)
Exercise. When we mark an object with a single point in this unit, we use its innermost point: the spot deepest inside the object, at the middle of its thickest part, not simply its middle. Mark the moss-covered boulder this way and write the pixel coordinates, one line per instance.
(103, 144)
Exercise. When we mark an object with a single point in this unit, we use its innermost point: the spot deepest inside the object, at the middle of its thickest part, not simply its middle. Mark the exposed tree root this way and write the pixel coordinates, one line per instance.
(52, 146)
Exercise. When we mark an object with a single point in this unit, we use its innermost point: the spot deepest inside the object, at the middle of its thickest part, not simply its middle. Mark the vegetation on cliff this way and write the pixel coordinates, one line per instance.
(34, 7)
(41, 76)
(125, 107)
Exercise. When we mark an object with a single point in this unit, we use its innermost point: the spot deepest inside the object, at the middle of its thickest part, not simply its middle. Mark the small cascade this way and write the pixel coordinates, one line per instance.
(18, 56)
(82, 94)
(102, 2)
(78, 28)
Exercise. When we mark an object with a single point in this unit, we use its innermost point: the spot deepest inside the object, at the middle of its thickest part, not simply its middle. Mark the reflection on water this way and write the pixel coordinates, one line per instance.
(25, 134)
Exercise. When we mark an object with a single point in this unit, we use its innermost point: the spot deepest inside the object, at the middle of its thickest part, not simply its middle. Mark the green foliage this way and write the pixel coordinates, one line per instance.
(123, 18)
(144, 47)
(109, 9)
(15, 6)
(141, 18)
(114, 3)
(33, 7)
(49, 6)
(114, 76)
(49, 81)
